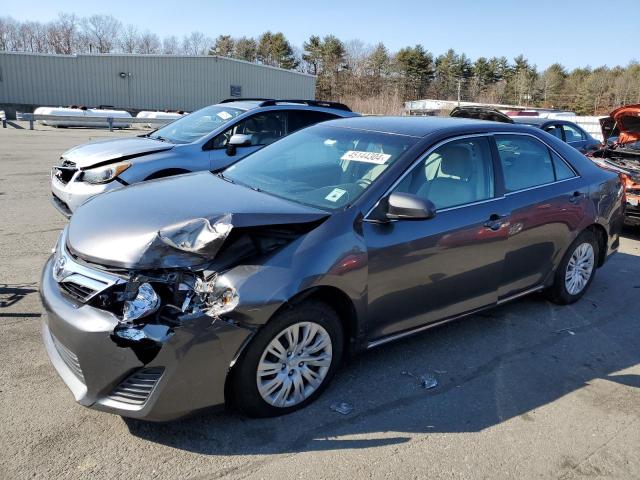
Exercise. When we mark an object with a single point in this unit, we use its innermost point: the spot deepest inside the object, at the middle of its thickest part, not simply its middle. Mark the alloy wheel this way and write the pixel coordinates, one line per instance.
(294, 364)
(579, 268)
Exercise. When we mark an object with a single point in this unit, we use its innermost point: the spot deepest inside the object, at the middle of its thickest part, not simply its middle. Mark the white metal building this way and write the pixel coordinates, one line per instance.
(138, 82)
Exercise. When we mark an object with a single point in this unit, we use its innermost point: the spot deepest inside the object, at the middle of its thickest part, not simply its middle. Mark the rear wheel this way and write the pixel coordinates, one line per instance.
(289, 362)
(576, 270)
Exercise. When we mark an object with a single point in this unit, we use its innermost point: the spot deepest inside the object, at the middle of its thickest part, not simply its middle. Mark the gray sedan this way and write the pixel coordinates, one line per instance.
(209, 139)
(248, 287)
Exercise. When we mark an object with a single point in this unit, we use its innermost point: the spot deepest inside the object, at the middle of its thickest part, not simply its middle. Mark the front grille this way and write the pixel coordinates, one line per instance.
(77, 291)
(66, 171)
(69, 358)
(135, 390)
(79, 282)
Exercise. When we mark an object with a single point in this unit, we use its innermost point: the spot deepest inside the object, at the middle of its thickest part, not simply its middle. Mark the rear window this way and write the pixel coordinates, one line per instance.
(526, 162)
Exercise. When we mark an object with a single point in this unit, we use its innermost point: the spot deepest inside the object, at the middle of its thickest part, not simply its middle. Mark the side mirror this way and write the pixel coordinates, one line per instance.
(405, 206)
(237, 140)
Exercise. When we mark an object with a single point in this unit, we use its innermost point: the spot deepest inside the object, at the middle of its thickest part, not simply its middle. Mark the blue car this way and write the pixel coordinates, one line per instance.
(209, 139)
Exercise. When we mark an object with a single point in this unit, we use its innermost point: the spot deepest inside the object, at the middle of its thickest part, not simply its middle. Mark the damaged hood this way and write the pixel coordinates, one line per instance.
(174, 222)
(96, 153)
(623, 122)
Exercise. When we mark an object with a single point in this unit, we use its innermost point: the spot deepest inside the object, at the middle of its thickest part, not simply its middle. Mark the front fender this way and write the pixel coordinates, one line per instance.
(188, 159)
(317, 259)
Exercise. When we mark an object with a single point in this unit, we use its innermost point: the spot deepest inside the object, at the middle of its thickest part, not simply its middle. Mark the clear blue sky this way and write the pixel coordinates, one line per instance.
(574, 33)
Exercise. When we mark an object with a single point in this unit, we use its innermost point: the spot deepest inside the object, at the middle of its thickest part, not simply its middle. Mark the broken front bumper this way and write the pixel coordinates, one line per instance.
(67, 197)
(188, 373)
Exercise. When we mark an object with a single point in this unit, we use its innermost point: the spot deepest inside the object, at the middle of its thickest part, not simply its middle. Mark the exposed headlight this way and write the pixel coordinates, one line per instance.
(146, 302)
(104, 174)
(216, 297)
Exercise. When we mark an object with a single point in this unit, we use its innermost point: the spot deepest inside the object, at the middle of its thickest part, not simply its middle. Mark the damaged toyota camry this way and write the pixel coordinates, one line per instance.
(249, 286)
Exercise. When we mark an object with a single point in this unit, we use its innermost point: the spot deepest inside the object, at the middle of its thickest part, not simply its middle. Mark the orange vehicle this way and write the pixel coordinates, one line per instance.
(621, 152)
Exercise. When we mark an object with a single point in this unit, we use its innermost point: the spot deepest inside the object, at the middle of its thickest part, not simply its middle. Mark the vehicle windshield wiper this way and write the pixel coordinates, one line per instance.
(162, 139)
(226, 179)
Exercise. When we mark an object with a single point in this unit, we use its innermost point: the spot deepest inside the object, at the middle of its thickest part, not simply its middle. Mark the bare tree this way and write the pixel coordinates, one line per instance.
(357, 54)
(102, 32)
(129, 39)
(148, 43)
(170, 45)
(63, 34)
(34, 37)
(9, 34)
(196, 44)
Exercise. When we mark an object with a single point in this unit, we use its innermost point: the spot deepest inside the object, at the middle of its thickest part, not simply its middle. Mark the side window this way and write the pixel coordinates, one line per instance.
(526, 162)
(456, 173)
(303, 118)
(563, 171)
(555, 130)
(264, 128)
(572, 134)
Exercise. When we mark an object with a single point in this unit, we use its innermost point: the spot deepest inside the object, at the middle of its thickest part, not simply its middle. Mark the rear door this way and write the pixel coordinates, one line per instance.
(546, 201)
(421, 271)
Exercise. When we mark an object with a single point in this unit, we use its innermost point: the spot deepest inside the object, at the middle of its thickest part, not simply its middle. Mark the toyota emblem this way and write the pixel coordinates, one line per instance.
(59, 268)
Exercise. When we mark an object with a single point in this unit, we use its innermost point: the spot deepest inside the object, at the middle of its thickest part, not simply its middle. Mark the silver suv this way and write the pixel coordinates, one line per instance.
(209, 139)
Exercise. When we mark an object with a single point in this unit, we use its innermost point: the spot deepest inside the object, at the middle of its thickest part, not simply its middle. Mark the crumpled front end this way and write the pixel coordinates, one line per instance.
(171, 361)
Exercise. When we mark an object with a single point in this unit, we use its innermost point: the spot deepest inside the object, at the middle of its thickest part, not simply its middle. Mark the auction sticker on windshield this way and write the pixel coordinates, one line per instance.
(224, 115)
(368, 157)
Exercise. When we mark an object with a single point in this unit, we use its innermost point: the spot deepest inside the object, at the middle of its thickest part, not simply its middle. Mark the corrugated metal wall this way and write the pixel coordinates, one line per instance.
(151, 81)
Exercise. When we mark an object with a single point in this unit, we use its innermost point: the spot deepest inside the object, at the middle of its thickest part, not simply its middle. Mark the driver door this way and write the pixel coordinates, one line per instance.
(264, 128)
(422, 271)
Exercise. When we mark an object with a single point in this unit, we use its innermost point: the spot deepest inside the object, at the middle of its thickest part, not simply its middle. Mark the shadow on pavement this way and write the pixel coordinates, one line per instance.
(13, 294)
(490, 368)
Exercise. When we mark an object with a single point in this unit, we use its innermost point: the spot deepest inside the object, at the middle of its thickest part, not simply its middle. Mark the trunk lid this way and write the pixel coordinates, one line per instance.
(623, 122)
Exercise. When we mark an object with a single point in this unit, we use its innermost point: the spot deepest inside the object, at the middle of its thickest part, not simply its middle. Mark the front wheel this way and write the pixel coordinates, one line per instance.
(576, 270)
(289, 362)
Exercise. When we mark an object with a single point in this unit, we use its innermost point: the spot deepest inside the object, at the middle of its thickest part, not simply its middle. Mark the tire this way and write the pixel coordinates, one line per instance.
(314, 321)
(561, 292)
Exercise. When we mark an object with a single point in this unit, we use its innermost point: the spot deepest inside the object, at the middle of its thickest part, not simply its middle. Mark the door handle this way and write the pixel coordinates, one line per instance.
(495, 222)
(575, 196)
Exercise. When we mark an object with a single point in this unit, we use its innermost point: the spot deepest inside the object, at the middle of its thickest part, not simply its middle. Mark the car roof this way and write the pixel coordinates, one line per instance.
(533, 120)
(243, 105)
(417, 126)
(539, 121)
(304, 104)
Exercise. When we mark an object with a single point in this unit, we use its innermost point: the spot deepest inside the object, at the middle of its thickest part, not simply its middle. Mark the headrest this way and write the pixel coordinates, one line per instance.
(456, 161)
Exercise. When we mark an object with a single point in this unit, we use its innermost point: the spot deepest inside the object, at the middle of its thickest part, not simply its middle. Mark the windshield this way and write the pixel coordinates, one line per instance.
(323, 166)
(196, 125)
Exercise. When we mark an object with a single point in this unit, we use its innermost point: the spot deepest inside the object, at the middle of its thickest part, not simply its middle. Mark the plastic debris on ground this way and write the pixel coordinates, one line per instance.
(427, 380)
(567, 330)
(342, 407)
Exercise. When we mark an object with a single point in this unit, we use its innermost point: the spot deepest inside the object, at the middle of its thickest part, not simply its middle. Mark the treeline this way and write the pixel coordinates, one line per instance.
(371, 79)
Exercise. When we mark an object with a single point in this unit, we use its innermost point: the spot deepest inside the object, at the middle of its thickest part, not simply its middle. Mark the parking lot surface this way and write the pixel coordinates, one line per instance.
(527, 390)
